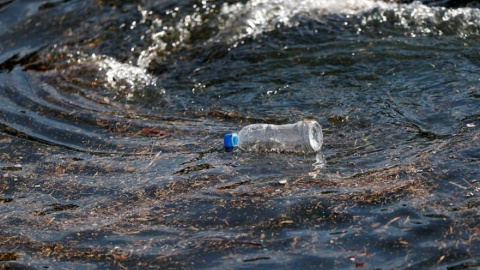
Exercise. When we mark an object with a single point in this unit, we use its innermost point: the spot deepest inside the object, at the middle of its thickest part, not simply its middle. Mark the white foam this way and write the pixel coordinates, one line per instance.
(123, 76)
(258, 16)
(420, 19)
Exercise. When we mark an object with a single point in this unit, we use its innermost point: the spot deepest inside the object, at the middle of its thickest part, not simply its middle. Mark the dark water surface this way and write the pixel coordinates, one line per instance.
(112, 116)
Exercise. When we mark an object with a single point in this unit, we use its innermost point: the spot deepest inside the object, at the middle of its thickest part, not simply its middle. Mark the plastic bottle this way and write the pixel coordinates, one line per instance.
(303, 137)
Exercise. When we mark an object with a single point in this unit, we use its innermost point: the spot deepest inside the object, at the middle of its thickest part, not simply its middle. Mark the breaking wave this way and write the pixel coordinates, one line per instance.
(231, 23)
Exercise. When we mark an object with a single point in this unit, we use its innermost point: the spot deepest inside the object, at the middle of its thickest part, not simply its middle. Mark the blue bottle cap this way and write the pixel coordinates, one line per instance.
(230, 140)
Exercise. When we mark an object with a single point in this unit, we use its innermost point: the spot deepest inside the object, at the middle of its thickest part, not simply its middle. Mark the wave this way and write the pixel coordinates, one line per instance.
(177, 41)
(232, 23)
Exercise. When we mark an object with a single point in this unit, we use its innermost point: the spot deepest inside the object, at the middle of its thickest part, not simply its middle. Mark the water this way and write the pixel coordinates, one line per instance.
(112, 117)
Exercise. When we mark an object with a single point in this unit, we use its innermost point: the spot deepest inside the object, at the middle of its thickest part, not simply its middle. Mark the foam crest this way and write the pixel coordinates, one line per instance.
(417, 19)
(260, 16)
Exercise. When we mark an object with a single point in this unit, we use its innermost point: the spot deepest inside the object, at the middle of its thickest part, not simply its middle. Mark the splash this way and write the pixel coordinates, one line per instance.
(124, 79)
(122, 76)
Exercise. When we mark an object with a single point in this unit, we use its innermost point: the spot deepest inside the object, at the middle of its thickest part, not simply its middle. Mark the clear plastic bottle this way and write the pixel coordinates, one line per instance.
(303, 137)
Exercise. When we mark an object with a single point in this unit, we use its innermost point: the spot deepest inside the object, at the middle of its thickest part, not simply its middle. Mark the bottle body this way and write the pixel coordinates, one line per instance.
(304, 137)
